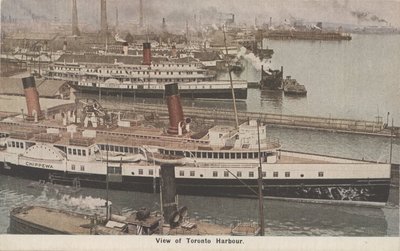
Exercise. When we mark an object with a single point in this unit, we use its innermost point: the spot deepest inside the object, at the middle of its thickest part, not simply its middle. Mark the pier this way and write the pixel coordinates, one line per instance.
(281, 120)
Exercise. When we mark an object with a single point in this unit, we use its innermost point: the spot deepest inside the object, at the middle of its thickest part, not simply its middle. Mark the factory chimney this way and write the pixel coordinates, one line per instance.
(141, 13)
(147, 53)
(32, 99)
(175, 111)
(164, 24)
(75, 29)
(103, 17)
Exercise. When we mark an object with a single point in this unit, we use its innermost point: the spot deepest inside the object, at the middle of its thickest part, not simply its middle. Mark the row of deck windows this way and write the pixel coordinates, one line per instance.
(122, 149)
(16, 144)
(78, 152)
(215, 155)
(82, 167)
(226, 173)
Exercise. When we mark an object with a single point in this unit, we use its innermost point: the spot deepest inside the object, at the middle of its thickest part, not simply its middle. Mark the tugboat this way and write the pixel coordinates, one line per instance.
(292, 87)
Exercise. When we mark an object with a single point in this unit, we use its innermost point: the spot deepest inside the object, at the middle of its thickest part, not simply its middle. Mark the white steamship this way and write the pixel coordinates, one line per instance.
(222, 162)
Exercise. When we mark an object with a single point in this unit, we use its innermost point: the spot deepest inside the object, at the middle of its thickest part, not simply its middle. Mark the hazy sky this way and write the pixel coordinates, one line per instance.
(340, 11)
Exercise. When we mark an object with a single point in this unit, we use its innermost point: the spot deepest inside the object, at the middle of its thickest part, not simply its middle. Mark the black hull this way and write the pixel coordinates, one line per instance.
(335, 190)
(159, 93)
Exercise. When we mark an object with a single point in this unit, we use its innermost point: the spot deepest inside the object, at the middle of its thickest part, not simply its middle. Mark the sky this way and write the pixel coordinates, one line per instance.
(367, 12)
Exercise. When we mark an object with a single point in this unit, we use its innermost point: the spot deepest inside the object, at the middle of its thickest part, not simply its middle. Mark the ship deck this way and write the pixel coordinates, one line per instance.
(69, 223)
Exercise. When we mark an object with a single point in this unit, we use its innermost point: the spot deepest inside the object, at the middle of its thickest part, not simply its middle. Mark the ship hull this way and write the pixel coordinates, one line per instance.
(214, 93)
(357, 191)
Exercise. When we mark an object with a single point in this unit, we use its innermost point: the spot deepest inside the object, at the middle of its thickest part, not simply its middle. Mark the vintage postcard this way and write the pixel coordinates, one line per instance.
(219, 125)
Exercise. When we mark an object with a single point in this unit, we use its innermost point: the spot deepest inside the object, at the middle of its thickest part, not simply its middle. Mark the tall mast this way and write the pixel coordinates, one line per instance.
(260, 185)
(230, 80)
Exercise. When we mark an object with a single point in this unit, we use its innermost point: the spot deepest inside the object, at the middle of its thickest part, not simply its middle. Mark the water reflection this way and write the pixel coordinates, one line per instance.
(282, 218)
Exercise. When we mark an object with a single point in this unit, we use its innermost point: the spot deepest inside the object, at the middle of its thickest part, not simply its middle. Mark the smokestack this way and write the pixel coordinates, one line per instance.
(65, 45)
(141, 13)
(173, 51)
(168, 190)
(270, 22)
(147, 53)
(125, 48)
(32, 99)
(116, 19)
(175, 111)
(164, 24)
(103, 17)
(75, 29)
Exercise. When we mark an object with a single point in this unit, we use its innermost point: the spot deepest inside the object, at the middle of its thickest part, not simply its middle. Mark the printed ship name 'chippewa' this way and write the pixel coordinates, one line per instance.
(222, 161)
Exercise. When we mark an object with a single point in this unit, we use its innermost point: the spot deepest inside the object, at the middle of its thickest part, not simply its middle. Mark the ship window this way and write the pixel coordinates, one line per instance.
(69, 151)
(239, 174)
(255, 155)
(82, 168)
(90, 152)
(215, 174)
(320, 174)
(84, 152)
(151, 172)
(232, 155)
(226, 155)
(17, 144)
(111, 148)
(275, 174)
(264, 174)
(9, 143)
(181, 173)
(215, 155)
(209, 155)
(204, 155)
(244, 155)
(101, 147)
(79, 152)
(74, 151)
(250, 155)
(72, 167)
(251, 174)
(140, 171)
(130, 149)
(287, 174)
(226, 174)
(238, 155)
(221, 155)
(191, 173)
(13, 144)
(126, 149)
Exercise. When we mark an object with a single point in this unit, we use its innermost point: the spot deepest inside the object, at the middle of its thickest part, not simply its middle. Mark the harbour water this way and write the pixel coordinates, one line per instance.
(282, 217)
(349, 79)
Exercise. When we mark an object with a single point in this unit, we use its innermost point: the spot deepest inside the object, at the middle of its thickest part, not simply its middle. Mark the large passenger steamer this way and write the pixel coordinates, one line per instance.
(223, 161)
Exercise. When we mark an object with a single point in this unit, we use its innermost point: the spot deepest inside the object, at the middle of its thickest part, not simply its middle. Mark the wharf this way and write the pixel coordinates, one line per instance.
(281, 120)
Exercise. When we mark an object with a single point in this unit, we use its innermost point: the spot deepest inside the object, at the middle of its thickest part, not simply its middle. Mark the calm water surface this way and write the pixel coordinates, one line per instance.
(350, 79)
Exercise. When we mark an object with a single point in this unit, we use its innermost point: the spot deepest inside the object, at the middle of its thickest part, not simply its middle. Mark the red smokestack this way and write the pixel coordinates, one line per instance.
(174, 108)
(32, 99)
(146, 53)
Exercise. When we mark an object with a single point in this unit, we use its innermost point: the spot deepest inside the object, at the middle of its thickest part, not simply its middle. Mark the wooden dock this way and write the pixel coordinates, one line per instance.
(292, 121)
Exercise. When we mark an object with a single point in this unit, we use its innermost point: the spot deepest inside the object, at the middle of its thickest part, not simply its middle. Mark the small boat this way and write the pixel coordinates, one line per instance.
(122, 157)
(292, 87)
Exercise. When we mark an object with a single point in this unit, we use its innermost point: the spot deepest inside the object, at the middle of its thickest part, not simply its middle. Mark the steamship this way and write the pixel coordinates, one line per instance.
(222, 162)
(147, 79)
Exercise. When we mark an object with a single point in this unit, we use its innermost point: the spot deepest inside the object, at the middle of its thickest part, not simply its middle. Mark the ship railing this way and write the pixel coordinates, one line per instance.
(226, 165)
